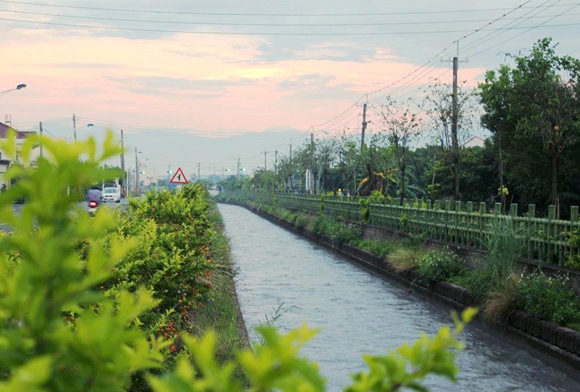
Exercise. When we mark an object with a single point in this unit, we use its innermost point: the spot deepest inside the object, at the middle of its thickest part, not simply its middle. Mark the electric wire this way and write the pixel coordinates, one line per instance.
(252, 14)
(234, 24)
(518, 35)
(506, 29)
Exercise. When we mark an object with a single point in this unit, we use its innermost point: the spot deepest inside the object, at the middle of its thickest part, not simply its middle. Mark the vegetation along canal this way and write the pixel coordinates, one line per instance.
(282, 275)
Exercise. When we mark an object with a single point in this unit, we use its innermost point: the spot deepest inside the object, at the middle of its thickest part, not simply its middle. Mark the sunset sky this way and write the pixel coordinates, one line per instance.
(211, 82)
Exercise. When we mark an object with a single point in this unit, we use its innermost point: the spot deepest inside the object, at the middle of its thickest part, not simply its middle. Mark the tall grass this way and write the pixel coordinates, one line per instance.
(504, 245)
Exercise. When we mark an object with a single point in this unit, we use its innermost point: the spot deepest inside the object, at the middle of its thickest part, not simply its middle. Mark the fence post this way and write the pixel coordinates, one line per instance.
(574, 214)
(469, 235)
(514, 210)
(497, 209)
(550, 229)
(530, 232)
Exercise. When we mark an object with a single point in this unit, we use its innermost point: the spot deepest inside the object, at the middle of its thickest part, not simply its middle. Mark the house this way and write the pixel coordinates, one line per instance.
(5, 162)
(475, 141)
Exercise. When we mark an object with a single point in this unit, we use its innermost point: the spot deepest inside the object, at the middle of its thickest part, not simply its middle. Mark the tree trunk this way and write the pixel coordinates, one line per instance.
(555, 198)
(403, 168)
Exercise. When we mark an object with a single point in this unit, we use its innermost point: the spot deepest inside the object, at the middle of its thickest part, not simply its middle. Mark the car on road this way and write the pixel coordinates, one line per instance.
(111, 194)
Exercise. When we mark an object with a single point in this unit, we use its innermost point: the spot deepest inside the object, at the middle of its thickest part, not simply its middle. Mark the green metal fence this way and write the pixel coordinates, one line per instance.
(462, 224)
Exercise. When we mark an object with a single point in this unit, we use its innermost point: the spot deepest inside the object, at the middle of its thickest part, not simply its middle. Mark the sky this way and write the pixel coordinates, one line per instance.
(208, 84)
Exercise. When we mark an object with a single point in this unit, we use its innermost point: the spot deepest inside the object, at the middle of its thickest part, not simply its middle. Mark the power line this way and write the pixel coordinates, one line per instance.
(520, 34)
(425, 69)
(523, 18)
(235, 24)
(255, 14)
(302, 33)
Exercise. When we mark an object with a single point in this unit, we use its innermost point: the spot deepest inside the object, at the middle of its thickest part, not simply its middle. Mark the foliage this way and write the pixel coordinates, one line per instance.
(336, 231)
(533, 111)
(440, 265)
(406, 257)
(174, 259)
(400, 124)
(504, 245)
(276, 364)
(549, 298)
(573, 259)
(377, 247)
(57, 332)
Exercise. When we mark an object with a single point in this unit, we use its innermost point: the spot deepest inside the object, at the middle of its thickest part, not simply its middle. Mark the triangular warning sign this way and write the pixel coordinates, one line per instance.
(178, 177)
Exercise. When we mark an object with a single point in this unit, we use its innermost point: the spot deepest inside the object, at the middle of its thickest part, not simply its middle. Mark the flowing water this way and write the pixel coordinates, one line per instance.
(287, 278)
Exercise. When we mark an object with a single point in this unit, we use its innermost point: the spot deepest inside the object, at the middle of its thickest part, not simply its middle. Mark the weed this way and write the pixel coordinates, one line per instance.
(405, 258)
(549, 298)
(377, 247)
(500, 303)
(440, 265)
(504, 245)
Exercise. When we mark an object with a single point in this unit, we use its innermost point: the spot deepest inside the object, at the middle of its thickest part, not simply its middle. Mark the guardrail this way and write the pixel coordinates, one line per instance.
(462, 224)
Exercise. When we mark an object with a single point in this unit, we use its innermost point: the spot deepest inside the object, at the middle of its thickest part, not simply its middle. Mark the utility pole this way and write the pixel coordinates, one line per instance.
(124, 179)
(265, 160)
(75, 127)
(364, 128)
(291, 171)
(238, 168)
(312, 182)
(136, 173)
(198, 171)
(454, 137)
(40, 131)
(275, 162)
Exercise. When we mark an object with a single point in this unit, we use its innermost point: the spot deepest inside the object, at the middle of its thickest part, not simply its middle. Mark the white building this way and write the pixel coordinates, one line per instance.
(5, 162)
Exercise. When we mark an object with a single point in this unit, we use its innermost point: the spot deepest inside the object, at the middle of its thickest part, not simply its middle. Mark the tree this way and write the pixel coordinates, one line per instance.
(438, 104)
(400, 124)
(538, 101)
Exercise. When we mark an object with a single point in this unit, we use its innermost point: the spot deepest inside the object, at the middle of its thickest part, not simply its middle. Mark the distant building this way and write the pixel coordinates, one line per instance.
(4, 161)
(475, 141)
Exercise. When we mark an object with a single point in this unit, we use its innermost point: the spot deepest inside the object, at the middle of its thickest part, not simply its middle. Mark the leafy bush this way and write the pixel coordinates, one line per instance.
(58, 331)
(573, 259)
(549, 298)
(337, 231)
(440, 265)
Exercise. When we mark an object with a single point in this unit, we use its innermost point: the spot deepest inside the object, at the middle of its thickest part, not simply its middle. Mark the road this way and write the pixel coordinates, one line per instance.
(16, 208)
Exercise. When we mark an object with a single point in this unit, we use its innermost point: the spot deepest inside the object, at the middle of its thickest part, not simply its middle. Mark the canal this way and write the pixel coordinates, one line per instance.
(286, 278)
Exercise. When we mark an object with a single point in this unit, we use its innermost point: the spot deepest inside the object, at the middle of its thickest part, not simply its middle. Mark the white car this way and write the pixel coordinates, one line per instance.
(111, 194)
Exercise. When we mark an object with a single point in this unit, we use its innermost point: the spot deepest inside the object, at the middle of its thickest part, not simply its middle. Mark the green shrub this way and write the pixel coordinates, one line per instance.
(58, 331)
(573, 259)
(337, 231)
(549, 298)
(439, 266)
(379, 248)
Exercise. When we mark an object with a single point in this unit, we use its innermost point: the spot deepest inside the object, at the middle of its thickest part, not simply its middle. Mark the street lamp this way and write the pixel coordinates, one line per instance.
(18, 87)
(137, 189)
(75, 126)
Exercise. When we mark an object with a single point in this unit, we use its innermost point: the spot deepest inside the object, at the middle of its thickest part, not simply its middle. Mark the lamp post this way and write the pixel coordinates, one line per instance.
(137, 190)
(74, 118)
(18, 87)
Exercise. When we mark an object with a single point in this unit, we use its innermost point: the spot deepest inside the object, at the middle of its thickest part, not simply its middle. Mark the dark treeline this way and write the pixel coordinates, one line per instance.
(531, 156)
